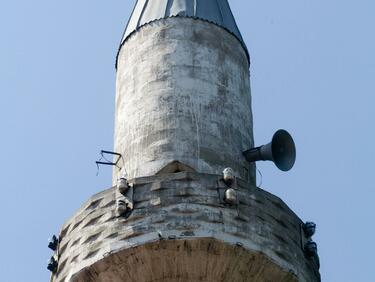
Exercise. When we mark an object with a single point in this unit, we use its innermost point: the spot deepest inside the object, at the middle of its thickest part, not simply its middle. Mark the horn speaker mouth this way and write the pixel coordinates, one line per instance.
(283, 150)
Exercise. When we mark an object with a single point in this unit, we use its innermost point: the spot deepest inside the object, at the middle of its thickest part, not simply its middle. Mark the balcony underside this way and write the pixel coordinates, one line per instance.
(197, 259)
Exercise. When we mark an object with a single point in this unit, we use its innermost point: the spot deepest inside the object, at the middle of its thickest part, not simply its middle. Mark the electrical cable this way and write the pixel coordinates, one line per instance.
(261, 178)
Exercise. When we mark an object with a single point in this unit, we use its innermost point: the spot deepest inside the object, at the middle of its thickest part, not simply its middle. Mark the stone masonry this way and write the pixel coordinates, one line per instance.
(181, 230)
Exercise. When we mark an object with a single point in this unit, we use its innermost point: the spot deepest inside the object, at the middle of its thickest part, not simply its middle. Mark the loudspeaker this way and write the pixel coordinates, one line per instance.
(281, 150)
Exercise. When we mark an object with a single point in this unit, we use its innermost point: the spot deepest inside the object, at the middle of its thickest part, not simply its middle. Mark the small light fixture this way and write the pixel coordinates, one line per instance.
(230, 196)
(53, 242)
(121, 207)
(309, 229)
(122, 185)
(52, 265)
(311, 248)
(124, 206)
(228, 176)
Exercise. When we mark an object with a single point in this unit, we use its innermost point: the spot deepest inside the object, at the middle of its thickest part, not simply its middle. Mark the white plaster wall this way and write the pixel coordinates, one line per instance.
(183, 94)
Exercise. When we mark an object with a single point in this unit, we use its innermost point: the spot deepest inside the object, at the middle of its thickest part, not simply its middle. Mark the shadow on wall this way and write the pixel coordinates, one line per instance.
(174, 167)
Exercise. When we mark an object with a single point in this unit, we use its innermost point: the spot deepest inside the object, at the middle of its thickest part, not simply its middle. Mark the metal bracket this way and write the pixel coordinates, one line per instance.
(103, 154)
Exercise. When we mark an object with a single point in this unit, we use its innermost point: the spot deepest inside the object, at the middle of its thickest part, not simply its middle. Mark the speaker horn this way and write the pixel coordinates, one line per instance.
(281, 150)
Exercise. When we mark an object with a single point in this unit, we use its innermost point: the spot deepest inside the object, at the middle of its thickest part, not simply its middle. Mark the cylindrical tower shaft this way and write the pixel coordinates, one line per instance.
(183, 99)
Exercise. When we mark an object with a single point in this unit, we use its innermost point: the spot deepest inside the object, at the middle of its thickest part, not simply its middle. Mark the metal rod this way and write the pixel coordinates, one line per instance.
(105, 163)
(110, 153)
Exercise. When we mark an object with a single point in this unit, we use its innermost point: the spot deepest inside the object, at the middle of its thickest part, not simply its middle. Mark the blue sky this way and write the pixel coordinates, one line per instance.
(312, 72)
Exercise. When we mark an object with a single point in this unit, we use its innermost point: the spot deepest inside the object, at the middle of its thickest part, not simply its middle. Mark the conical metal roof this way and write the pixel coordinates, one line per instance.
(215, 11)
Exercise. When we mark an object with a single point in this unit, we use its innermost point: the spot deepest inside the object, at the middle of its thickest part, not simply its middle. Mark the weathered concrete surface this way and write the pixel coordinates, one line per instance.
(186, 261)
(183, 94)
(186, 208)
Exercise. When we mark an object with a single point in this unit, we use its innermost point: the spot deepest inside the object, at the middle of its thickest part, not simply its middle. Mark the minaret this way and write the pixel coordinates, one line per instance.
(184, 205)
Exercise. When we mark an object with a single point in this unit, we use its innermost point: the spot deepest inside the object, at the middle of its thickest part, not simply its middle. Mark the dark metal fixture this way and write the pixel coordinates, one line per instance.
(309, 229)
(53, 242)
(52, 265)
(311, 248)
(107, 162)
(281, 150)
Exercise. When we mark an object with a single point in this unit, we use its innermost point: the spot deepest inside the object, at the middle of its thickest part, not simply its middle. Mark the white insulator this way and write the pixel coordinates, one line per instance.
(228, 176)
(230, 196)
(122, 185)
